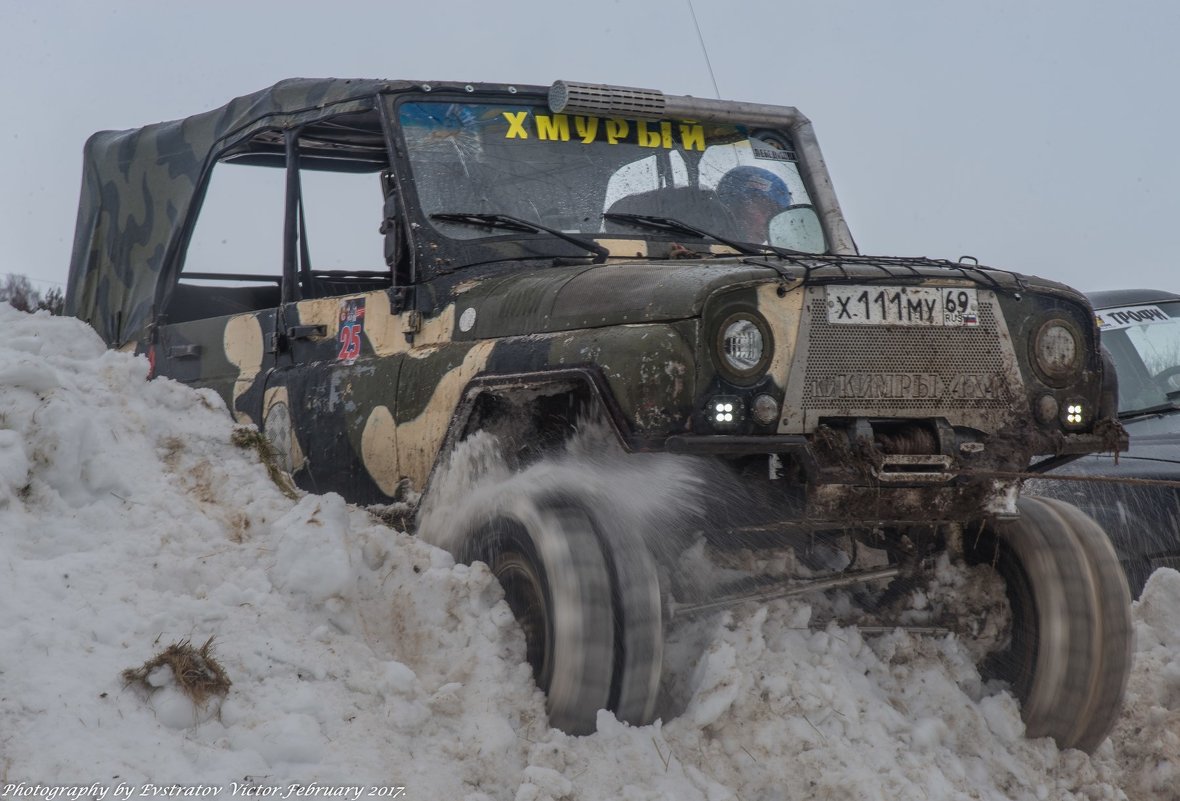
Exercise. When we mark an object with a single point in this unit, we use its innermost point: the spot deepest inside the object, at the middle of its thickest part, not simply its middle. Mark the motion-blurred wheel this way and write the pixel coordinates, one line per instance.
(1069, 653)
(589, 605)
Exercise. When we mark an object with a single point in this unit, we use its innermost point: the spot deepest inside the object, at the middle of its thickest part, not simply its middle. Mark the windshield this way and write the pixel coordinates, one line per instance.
(566, 171)
(1145, 344)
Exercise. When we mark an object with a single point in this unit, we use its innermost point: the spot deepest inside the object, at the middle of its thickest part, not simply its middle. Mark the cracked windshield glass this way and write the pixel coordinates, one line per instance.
(608, 178)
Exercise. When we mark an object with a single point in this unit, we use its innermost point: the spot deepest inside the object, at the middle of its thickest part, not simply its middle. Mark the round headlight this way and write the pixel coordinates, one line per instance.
(1057, 350)
(743, 345)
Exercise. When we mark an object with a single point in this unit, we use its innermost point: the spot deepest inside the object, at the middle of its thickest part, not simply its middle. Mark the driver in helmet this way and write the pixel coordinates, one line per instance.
(754, 195)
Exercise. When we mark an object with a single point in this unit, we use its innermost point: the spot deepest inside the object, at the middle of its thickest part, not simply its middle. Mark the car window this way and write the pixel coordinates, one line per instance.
(225, 241)
(343, 220)
(234, 261)
(1144, 341)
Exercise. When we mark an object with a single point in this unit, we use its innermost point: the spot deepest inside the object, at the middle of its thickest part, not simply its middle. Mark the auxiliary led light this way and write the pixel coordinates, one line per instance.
(725, 410)
(1074, 414)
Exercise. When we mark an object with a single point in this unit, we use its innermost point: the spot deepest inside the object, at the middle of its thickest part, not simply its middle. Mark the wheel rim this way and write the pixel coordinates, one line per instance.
(525, 594)
(1016, 664)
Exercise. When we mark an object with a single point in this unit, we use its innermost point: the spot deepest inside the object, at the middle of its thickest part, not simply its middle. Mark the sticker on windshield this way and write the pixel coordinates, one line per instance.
(771, 151)
(1127, 316)
(526, 125)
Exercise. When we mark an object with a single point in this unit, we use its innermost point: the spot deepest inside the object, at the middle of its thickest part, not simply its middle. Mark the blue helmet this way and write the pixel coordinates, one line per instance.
(742, 182)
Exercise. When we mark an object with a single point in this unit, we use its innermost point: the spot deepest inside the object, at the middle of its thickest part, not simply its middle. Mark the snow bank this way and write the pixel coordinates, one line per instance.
(360, 655)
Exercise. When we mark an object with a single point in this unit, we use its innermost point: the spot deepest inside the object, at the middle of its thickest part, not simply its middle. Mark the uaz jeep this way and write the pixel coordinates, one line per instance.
(675, 269)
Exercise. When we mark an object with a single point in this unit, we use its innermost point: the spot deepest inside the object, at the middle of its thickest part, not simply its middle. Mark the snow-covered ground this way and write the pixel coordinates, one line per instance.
(363, 656)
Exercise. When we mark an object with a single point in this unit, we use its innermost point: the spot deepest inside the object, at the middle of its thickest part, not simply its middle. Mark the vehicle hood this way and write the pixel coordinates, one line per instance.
(591, 296)
(547, 299)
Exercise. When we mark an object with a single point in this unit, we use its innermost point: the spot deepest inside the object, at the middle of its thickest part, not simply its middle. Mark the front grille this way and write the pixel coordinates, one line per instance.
(963, 373)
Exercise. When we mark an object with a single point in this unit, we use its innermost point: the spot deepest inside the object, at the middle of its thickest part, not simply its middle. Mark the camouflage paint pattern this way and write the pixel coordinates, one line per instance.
(139, 187)
(376, 427)
(370, 411)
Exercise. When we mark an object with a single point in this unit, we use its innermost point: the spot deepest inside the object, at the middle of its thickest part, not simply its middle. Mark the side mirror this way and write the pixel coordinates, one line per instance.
(797, 228)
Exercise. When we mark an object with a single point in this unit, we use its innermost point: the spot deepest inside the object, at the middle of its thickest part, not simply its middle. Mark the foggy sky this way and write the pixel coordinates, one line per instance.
(1034, 136)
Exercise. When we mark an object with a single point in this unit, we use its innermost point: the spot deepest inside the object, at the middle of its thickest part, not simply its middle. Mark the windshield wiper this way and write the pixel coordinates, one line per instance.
(657, 223)
(510, 223)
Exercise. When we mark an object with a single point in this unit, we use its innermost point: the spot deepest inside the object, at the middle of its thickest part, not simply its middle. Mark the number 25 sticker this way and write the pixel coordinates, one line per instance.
(352, 326)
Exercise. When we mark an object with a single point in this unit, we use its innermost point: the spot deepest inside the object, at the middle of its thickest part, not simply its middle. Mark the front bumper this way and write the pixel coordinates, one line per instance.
(849, 481)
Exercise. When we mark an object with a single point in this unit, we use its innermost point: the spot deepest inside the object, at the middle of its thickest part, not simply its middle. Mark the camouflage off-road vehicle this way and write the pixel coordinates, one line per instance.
(435, 260)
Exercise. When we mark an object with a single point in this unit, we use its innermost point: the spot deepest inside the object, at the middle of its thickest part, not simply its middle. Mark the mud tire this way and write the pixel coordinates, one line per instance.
(639, 630)
(588, 599)
(1069, 654)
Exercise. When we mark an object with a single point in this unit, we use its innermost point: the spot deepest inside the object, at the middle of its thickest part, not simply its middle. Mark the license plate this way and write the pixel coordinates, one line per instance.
(892, 305)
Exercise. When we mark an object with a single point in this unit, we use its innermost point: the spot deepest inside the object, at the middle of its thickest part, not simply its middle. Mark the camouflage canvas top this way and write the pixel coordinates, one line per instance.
(139, 186)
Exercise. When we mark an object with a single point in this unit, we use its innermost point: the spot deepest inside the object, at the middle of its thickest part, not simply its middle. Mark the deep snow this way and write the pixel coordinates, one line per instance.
(360, 655)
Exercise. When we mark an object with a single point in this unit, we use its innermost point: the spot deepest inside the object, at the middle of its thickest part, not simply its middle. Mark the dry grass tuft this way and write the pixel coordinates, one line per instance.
(198, 674)
(249, 437)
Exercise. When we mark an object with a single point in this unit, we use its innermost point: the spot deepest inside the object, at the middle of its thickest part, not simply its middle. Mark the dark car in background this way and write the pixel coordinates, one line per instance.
(1141, 332)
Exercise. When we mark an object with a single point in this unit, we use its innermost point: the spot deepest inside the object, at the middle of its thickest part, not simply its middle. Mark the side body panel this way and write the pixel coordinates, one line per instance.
(331, 397)
(230, 355)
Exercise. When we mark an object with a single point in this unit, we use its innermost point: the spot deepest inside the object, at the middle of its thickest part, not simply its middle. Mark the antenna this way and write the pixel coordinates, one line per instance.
(704, 49)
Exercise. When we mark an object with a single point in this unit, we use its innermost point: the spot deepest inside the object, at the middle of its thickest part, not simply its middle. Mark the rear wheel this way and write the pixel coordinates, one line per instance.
(1069, 652)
